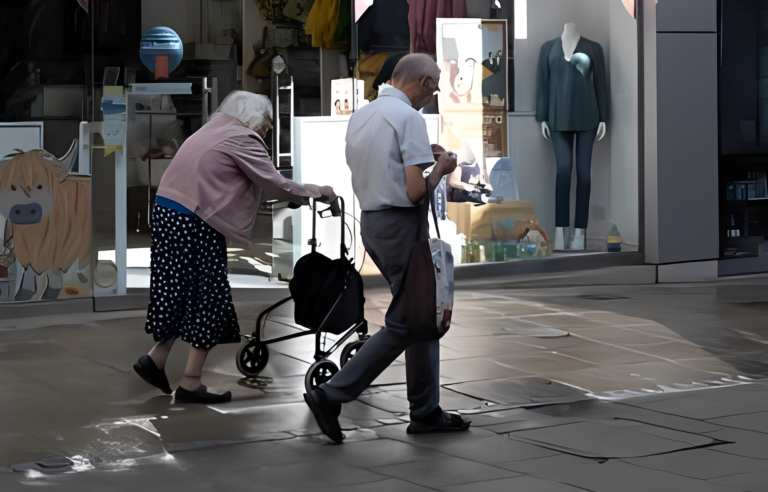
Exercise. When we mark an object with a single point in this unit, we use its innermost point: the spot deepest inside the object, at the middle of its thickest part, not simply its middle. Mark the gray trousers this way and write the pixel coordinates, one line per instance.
(388, 236)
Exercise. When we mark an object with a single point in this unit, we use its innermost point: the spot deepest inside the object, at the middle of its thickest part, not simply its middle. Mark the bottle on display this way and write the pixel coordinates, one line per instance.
(733, 231)
(613, 240)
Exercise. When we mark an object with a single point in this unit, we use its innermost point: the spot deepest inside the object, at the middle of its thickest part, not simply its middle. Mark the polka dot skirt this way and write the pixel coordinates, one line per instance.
(189, 292)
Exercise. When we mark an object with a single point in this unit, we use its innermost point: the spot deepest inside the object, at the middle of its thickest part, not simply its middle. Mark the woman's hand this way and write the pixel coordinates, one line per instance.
(327, 195)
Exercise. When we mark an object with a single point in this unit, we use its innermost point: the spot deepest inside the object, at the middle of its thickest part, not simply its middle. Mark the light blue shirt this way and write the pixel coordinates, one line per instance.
(383, 138)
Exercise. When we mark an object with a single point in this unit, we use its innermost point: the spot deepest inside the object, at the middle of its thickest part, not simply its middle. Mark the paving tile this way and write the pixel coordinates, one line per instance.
(610, 318)
(703, 464)
(520, 390)
(652, 375)
(506, 420)
(385, 485)
(571, 321)
(380, 452)
(707, 404)
(598, 353)
(280, 365)
(634, 336)
(183, 431)
(432, 441)
(486, 346)
(674, 350)
(363, 415)
(715, 366)
(475, 369)
(394, 374)
(385, 401)
(449, 400)
(742, 443)
(611, 439)
(319, 472)
(550, 345)
(542, 362)
(744, 481)
(752, 421)
(496, 449)
(609, 476)
(599, 409)
(444, 472)
(526, 484)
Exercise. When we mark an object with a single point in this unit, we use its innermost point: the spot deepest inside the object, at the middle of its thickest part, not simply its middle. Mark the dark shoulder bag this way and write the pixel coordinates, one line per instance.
(428, 283)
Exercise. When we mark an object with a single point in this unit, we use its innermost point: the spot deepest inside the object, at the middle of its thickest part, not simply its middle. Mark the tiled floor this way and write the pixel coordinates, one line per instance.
(632, 388)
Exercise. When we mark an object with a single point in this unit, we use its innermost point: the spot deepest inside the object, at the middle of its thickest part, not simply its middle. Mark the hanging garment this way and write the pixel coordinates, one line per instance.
(322, 22)
(344, 25)
(384, 27)
(422, 19)
(369, 65)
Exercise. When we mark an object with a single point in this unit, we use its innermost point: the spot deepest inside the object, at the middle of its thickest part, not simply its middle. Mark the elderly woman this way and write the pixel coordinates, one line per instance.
(208, 197)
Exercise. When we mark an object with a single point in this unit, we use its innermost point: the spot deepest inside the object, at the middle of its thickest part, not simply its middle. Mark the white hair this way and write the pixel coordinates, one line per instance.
(252, 110)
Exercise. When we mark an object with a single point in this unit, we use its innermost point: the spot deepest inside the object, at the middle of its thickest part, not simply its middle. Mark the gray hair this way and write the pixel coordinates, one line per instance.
(252, 110)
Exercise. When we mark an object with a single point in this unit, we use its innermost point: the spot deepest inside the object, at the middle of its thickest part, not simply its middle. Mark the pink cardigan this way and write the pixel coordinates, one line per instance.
(222, 172)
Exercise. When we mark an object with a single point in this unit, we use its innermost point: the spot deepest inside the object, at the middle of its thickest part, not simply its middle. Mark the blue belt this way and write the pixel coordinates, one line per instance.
(173, 205)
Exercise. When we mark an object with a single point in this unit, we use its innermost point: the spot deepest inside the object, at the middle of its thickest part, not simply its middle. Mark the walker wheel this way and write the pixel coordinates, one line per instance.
(320, 372)
(350, 350)
(252, 358)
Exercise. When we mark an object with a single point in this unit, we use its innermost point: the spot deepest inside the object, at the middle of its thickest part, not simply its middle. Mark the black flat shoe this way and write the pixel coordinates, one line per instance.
(146, 368)
(326, 414)
(201, 395)
(447, 422)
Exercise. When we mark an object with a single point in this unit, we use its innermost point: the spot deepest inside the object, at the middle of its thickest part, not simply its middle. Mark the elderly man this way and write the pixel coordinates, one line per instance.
(387, 149)
(207, 198)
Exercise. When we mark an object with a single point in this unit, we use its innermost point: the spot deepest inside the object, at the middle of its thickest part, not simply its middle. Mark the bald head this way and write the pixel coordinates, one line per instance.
(417, 76)
(414, 67)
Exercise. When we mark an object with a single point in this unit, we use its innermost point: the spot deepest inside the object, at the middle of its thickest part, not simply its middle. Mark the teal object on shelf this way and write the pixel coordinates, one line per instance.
(161, 41)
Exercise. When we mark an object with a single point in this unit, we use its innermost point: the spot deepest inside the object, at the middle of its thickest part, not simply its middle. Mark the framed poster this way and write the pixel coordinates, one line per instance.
(472, 55)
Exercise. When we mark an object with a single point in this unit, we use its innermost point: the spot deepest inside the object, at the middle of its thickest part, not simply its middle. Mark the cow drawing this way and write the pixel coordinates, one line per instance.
(47, 214)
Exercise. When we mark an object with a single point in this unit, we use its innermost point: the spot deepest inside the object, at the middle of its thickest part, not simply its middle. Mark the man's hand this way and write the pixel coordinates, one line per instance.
(437, 151)
(446, 164)
(327, 195)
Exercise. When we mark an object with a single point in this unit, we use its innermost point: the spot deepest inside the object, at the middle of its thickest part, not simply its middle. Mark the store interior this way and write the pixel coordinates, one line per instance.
(59, 78)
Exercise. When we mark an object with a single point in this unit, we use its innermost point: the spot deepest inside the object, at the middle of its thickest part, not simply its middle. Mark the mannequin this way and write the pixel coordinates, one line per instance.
(572, 107)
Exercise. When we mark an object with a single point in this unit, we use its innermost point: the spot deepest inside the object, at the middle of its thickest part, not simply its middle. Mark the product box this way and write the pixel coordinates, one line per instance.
(342, 94)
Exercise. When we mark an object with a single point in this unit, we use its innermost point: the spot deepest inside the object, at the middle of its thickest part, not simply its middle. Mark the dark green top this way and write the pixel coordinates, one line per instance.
(572, 95)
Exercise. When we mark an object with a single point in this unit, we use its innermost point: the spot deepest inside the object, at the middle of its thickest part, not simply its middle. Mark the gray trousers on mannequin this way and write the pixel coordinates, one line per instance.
(388, 236)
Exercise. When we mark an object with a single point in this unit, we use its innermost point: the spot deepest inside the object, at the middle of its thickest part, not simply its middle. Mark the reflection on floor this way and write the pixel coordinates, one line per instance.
(620, 388)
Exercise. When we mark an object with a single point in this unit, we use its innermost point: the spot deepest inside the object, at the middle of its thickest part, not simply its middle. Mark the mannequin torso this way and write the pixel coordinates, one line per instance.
(570, 42)
(570, 39)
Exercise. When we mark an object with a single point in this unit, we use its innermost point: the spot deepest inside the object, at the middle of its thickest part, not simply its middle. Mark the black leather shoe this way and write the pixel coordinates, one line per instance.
(146, 368)
(200, 395)
(447, 422)
(326, 414)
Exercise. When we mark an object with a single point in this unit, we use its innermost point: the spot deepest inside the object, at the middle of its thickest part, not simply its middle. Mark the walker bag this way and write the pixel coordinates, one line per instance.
(328, 294)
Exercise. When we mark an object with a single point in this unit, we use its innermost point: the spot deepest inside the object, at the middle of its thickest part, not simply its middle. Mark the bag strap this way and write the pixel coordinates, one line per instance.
(431, 203)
